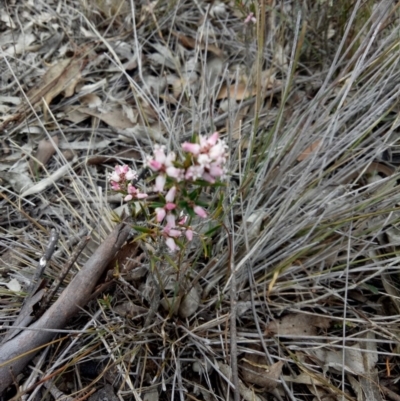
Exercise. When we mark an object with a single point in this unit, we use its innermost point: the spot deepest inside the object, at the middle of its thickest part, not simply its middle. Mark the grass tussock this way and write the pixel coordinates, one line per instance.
(297, 295)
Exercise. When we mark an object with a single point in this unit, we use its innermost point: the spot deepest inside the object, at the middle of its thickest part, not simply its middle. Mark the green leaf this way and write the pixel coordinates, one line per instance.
(154, 205)
(143, 229)
(212, 230)
(190, 211)
(115, 218)
(194, 194)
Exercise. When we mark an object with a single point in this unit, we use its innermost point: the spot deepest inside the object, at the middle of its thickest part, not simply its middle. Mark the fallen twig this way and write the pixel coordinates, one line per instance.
(18, 351)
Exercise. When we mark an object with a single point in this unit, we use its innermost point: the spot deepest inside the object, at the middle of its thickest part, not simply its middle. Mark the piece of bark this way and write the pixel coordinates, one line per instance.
(18, 351)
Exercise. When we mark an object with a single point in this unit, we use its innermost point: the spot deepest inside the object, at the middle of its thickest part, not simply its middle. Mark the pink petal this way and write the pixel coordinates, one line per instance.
(170, 159)
(160, 182)
(182, 220)
(174, 233)
(216, 170)
(200, 211)
(115, 186)
(171, 220)
(128, 198)
(171, 194)
(160, 214)
(131, 189)
(208, 177)
(170, 206)
(131, 175)
(141, 195)
(159, 154)
(154, 165)
(171, 244)
(114, 176)
(217, 151)
(212, 140)
(174, 172)
(194, 172)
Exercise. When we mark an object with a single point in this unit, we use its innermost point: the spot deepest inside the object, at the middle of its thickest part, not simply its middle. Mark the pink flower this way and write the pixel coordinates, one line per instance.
(170, 228)
(189, 234)
(209, 157)
(171, 194)
(175, 172)
(250, 18)
(192, 148)
(121, 175)
(200, 211)
(194, 172)
(134, 193)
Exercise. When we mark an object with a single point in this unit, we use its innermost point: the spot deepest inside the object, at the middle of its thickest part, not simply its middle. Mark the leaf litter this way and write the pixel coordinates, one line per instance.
(312, 124)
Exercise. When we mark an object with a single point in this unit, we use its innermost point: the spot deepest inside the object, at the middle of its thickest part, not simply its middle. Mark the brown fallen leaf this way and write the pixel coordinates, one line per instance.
(61, 77)
(255, 371)
(239, 91)
(193, 43)
(313, 148)
(43, 154)
(297, 325)
(90, 100)
(114, 118)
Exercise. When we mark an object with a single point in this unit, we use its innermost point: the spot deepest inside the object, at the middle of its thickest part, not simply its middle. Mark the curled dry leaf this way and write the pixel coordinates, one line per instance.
(90, 100)
(297, 325)
(18, 181)
(46, 149)
(255, 371)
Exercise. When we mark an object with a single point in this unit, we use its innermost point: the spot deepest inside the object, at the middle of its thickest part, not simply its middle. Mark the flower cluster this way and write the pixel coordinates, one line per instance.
(120, 180)
(209, 158)
(204, 162)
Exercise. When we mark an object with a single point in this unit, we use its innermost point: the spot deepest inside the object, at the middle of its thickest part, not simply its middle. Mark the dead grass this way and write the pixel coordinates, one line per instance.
(307, 99)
